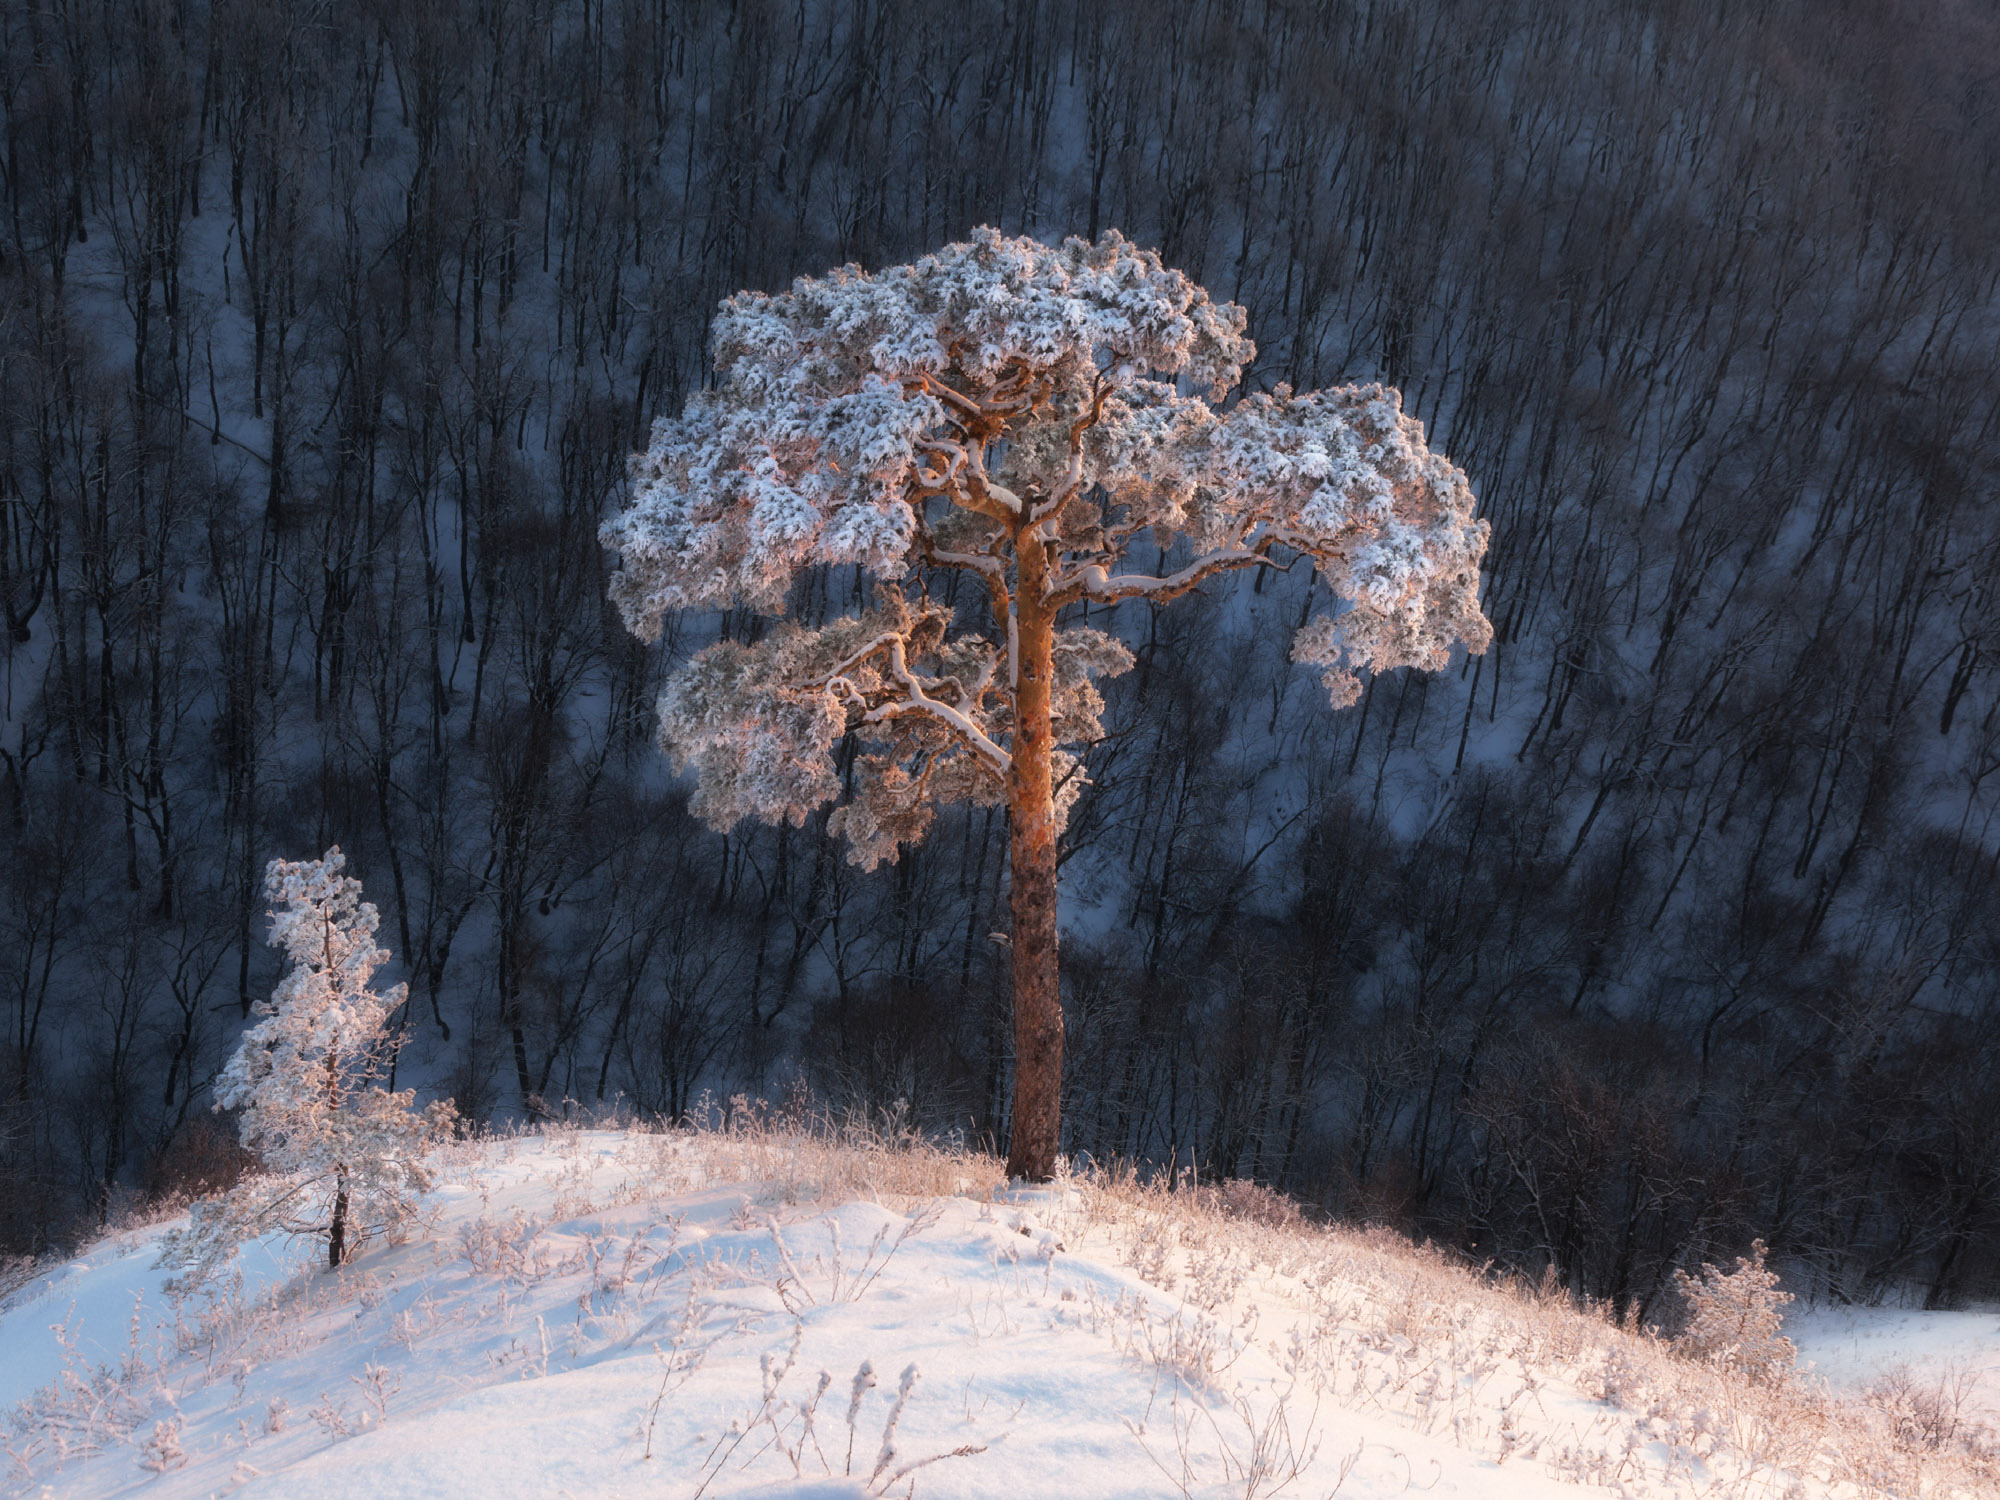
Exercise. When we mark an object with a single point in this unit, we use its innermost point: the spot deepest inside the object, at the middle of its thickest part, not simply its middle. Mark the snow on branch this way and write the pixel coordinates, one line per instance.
(343, 1157)
(1341, 476)
(759, 725)
(1000, 403)
(846, 399)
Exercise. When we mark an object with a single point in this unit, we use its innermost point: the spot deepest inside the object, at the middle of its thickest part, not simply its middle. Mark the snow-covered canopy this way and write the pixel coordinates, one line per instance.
(823, 435)
(927, 417)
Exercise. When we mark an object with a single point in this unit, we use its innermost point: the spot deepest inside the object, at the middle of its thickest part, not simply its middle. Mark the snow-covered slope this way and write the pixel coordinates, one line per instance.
(1940, 1369)
(622, 1314)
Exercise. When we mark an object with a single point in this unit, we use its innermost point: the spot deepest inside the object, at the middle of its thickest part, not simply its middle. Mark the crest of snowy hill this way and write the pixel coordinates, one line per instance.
(763, 1312)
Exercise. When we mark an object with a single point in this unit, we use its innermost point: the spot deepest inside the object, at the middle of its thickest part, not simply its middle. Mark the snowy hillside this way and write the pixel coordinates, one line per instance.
(602, 1313)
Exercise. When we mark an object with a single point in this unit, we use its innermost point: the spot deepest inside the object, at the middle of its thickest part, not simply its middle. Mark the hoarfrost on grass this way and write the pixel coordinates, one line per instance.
(775, 1309)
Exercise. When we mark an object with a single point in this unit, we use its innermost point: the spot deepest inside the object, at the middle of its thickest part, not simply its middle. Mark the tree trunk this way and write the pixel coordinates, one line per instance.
(1038, 1020)
(336, 1232)
(336, 1235)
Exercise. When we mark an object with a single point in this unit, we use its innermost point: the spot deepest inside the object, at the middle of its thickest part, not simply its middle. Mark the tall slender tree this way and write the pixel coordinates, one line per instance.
(1022, 415)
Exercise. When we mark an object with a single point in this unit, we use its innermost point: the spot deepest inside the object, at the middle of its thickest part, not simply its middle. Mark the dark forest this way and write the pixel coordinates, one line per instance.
(1668, 923)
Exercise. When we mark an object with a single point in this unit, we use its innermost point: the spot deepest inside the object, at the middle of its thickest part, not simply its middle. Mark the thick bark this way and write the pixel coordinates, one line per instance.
(1038, 1019)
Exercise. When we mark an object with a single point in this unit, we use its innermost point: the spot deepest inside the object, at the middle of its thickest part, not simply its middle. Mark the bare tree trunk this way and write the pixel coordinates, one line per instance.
(336, 1237)
(336, 1232)
(1031, 827)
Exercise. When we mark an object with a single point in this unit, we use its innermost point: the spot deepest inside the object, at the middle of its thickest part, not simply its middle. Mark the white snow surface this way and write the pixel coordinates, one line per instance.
(1857, 1348)
(607, 1314)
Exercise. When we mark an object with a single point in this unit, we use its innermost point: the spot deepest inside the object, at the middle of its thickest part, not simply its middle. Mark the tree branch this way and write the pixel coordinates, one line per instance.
(1092, 583)
(916, 700)
(881, 710)
(996, 499)
(1073, 479)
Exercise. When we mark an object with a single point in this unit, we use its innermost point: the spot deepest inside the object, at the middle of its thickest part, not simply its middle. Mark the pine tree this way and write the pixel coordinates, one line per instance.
(1020, 415)
(343, 1157)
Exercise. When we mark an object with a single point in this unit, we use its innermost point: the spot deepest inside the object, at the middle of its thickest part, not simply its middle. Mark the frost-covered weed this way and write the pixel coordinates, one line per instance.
(1150, 1252)
(1735, 1318)
(1380, 1325)
(1350, 1324)
(1190, 1348)
(1933, 1415)
(379, 1385)
(681, 1350)
(788, 1423)
(838, 1276)
(331, 1416)
(794, 1154)
(163, 1450)
(503, 1248)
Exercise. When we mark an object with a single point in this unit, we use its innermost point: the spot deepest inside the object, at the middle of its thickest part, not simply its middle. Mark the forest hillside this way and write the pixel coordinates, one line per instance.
(1664, 925)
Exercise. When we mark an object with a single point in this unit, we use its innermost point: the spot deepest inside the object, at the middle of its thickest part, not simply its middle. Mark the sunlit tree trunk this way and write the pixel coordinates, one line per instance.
(1031, 824)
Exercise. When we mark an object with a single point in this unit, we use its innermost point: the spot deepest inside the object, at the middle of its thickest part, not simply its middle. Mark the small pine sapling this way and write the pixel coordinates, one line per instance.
(344, 1157)
(1734, 1318)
